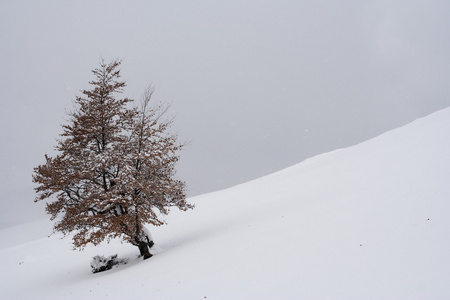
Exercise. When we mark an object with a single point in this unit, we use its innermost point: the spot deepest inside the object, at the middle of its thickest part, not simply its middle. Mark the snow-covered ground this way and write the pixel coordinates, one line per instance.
(368, 222)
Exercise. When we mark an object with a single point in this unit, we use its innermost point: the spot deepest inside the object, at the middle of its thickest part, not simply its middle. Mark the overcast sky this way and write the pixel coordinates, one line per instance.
(256, 86)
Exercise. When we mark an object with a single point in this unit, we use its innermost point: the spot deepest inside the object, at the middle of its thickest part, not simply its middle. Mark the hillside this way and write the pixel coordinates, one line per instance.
(367, 222)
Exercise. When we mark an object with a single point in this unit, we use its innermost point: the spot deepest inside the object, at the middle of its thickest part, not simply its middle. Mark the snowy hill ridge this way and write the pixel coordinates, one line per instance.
(367, 222)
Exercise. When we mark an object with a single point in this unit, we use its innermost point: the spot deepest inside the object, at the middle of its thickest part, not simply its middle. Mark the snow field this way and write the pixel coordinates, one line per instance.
(367, 222)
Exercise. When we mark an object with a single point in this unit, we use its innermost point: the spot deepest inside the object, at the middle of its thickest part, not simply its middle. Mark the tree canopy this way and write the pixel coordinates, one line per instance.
(115, 167)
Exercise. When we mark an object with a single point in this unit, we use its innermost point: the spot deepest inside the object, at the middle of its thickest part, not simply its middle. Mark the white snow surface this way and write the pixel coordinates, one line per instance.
(367, 222)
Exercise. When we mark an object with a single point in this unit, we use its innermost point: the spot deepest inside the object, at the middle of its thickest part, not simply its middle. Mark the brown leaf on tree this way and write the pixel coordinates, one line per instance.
(115, 168)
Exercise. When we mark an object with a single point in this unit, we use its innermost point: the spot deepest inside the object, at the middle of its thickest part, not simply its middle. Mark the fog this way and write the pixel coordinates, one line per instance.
(255, 86)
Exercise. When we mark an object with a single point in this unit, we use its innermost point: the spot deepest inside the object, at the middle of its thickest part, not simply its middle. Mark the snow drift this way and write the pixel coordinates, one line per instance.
(367, 222)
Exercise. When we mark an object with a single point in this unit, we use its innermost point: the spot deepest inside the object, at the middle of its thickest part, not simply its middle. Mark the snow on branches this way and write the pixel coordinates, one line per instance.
(115, 167)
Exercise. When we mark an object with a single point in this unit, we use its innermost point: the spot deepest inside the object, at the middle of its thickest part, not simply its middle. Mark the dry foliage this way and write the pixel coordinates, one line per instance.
(115, 168)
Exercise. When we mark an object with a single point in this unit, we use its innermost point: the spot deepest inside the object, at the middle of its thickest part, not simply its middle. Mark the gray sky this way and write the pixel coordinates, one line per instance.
(256, 86)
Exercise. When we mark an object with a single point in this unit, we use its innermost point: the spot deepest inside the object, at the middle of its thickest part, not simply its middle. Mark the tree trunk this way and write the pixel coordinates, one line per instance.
(144, 248)
(143, 241)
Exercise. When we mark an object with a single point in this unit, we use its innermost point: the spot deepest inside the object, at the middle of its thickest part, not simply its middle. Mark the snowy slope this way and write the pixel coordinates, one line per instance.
(368, 222)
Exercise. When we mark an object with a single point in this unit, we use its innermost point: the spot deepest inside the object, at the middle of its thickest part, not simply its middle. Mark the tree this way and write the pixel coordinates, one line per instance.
(115, 167)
